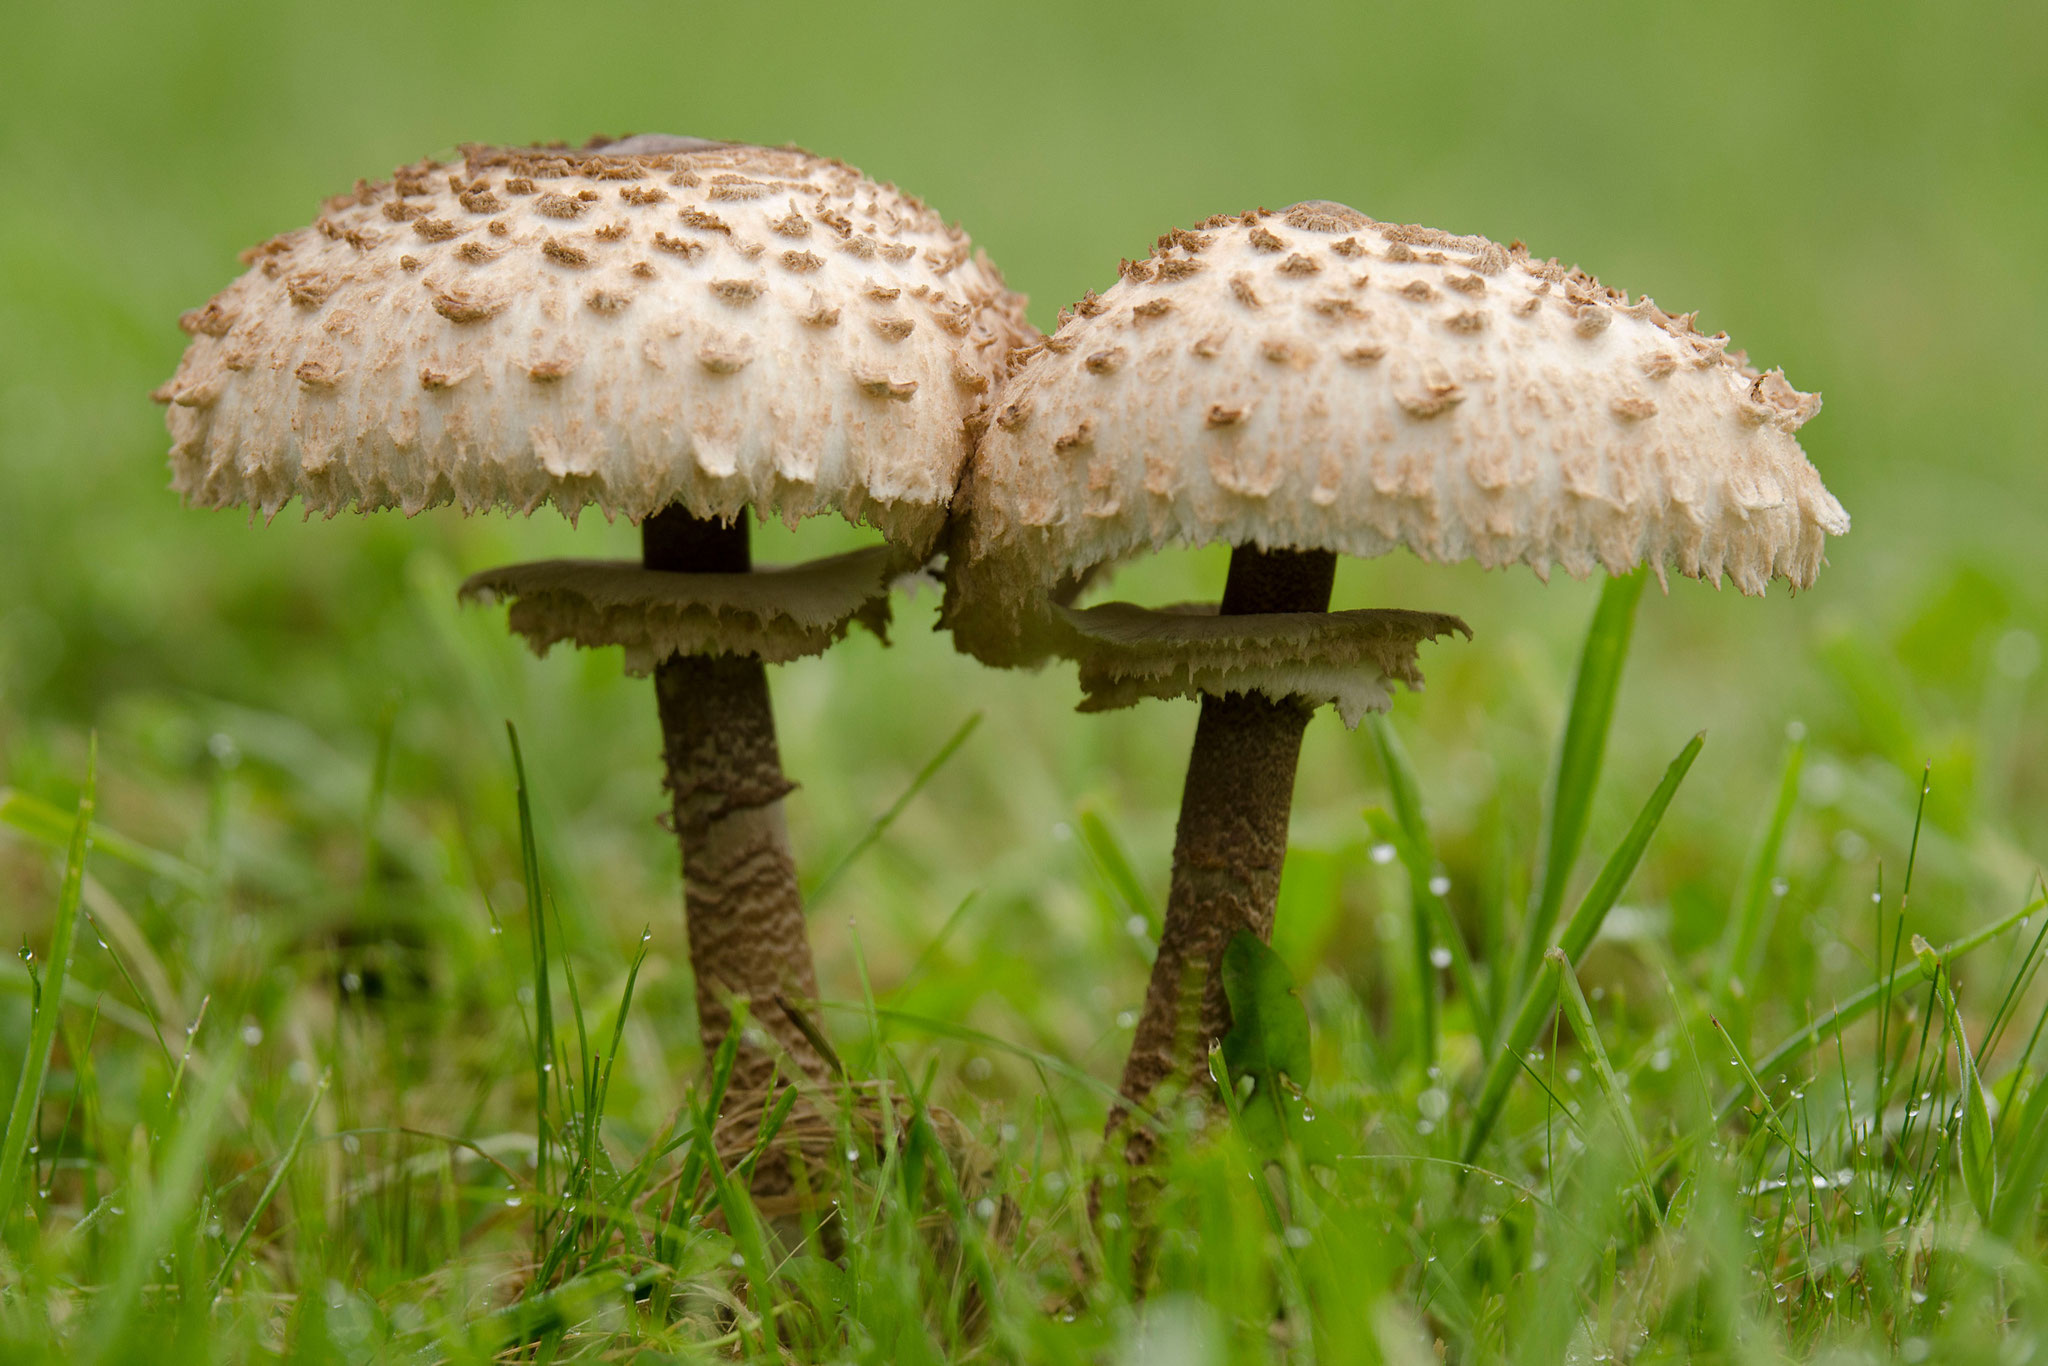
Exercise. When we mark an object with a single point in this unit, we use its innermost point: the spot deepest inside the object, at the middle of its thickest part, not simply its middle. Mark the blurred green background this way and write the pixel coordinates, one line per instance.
(1857, 192)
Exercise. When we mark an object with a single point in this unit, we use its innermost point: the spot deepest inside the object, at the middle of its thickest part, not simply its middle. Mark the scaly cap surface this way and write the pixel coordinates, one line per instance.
(1314, 379)
(650, 322)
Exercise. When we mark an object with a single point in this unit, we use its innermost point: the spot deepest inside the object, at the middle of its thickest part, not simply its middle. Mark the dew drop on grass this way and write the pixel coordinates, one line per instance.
(1296, 1236)
(1439, 885)
(512, 1202)
(985, 1208)
(1382, 853)
(1779, 886)
(252, 1034)
(1439, 957)
(1125, 1019)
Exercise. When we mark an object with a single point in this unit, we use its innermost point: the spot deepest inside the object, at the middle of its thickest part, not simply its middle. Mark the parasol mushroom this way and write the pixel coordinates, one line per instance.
(671, 330)
(1310, 383)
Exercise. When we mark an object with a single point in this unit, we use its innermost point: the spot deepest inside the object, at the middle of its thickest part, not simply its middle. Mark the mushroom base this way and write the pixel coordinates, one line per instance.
(1228, 847)
(742, 903)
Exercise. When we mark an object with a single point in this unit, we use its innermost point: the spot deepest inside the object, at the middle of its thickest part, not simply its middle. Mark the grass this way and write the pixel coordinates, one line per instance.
(369, 1047)
(1616, 1179)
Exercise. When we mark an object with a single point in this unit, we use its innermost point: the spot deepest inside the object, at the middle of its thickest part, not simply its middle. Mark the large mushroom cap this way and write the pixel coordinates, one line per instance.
(651, 322)
(1314, 379)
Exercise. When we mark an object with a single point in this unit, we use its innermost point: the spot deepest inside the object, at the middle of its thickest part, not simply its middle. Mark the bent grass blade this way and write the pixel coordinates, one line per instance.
(1578, 936)
(1579, 758)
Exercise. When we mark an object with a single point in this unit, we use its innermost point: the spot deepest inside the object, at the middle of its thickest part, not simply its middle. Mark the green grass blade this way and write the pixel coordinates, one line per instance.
(1420, 869)
(537, 932)
(1979, 1160)
(1419, 857)
(880, 825)
(1580, 756)
(1774, 1123)
(277, 1175)
(51, 825)
(165, 1202)
(1113, 866)
(22, 1116)
(1576, 939)
(2027, 1167)
(1860, 1004)
(1572, 1001)
(1743, 939)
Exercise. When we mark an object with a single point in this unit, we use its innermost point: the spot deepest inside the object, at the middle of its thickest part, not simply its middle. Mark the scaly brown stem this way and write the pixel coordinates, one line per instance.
(1228, 847)
(741, 901)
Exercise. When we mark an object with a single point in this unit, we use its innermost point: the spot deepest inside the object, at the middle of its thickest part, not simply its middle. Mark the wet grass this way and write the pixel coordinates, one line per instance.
(484, 1134)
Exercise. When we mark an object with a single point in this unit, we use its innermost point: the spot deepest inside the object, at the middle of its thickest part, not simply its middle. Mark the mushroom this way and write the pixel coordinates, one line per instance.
(671, 330)
(1310, 383)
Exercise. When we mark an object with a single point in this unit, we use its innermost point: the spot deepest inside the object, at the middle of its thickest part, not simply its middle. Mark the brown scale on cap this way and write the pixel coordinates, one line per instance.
(214, 320)
(694, 217)
(678, 246)
(736, 293)
(562, 253)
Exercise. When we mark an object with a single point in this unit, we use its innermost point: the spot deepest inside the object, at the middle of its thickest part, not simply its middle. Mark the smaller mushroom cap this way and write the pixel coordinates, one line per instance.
(1314, 379)
(653, 322)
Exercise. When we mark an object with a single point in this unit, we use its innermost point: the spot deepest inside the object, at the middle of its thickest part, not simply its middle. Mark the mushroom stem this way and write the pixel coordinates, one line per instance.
(741, 901)
(1229, 845)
